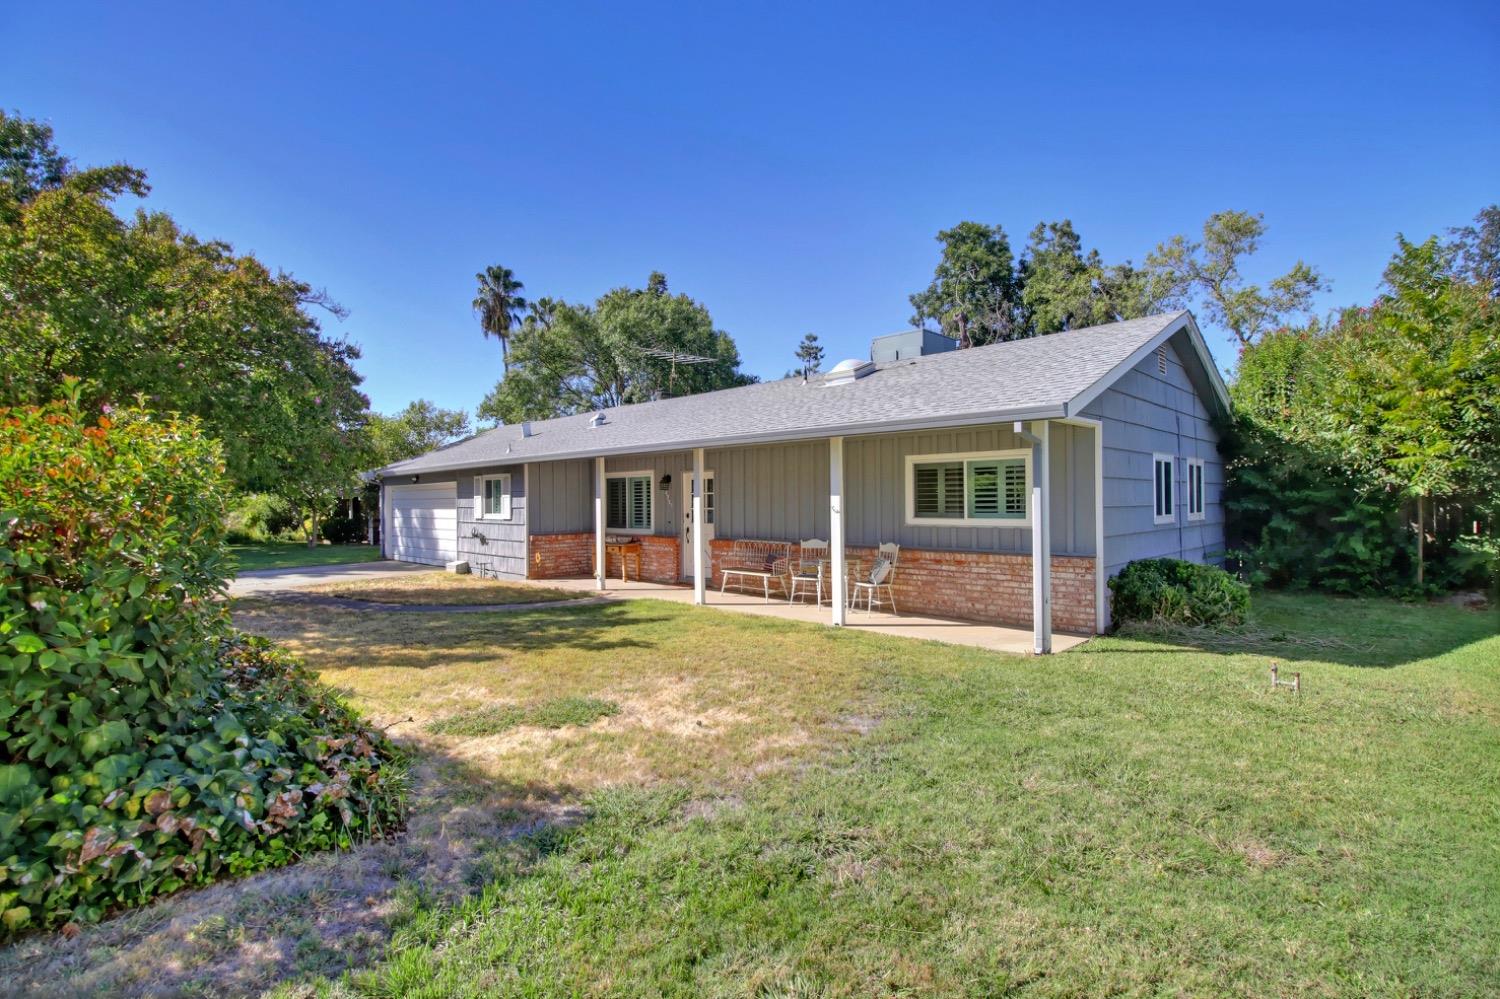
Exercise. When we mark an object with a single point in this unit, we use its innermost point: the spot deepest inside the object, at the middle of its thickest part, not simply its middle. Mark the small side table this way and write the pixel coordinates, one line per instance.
(628, 551)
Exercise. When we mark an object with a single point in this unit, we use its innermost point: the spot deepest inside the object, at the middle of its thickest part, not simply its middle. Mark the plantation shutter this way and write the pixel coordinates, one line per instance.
(640, 503)
(615, 506)
(938, 490)
(997, 489)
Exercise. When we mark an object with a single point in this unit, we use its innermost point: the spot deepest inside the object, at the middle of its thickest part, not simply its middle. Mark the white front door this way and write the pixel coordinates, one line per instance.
(686, 534)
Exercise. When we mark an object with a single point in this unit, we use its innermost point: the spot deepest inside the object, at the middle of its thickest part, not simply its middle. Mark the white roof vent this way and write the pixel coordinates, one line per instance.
(848, 371)
(597, 420)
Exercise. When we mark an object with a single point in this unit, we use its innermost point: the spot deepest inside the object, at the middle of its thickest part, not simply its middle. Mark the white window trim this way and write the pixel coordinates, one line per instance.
(647, 474)
(505, 497)
(993, 523)
(1170, 517)
(1197, 463)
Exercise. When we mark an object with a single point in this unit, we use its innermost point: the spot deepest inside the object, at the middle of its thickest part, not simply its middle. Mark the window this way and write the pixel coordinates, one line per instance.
(627, 502)
(492, 497)
(708, 499)
(1195, 488)
(997, 489)
(1164, 472)
(969, 490)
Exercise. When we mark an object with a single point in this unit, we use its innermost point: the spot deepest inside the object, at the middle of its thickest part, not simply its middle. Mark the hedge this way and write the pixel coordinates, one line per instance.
(1172, 591)
(147, 747)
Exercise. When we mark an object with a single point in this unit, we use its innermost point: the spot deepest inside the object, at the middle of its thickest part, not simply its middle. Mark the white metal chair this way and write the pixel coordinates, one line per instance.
(808, 571)
(882, 577)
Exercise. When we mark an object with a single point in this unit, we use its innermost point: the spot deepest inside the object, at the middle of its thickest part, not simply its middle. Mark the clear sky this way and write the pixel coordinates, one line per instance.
(786, 165)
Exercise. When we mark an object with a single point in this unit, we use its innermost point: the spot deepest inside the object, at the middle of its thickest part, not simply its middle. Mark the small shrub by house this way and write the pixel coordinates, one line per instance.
(146, 747)
(1172, 591)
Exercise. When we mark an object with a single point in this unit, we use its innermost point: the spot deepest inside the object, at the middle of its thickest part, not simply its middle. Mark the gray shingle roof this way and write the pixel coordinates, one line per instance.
(1024, 379)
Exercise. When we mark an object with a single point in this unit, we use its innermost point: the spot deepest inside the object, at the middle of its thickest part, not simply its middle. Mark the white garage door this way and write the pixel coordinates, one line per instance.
(422, 522)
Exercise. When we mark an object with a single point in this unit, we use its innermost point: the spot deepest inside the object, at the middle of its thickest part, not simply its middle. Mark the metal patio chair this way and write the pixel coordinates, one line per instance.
(882, 577)
(808, 569)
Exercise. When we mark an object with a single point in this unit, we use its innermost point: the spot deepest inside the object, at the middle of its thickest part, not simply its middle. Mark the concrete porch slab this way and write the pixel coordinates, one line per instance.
(996, 638)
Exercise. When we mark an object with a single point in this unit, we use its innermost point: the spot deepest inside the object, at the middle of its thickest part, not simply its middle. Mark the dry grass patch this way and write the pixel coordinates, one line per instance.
(442, 588)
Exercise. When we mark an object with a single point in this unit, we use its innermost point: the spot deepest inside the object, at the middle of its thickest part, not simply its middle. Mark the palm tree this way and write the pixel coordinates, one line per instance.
(499, 305)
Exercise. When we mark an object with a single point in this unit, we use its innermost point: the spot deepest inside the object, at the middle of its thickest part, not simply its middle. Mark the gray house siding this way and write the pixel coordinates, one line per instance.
(500, 544)
(564, 492)
(1146, 412)
(780, 491)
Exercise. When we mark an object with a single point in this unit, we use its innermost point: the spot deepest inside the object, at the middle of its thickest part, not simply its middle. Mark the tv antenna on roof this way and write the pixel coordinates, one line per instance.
(676, 357)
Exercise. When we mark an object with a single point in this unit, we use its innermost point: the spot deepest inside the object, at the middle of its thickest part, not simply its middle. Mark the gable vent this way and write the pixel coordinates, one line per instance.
(848, 371)
(1161, 359)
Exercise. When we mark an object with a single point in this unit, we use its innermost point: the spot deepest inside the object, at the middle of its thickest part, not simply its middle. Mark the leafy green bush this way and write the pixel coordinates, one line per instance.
(145, 746)
(1169, 590)
(260, 517)
(342, 530)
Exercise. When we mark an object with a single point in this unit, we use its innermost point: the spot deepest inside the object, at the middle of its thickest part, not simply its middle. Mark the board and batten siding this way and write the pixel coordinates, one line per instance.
(501, 544)
(564, 492)
(1147, 412)
(779, 492)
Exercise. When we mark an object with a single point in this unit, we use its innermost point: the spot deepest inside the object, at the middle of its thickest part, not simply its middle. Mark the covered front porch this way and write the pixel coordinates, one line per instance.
(998, 525)
(995, 638)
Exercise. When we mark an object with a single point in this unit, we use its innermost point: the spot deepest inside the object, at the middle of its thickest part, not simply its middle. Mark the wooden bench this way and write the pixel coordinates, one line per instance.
(762, 560)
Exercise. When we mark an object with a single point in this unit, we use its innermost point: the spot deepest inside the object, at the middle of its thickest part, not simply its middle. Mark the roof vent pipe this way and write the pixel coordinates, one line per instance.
(525, 428)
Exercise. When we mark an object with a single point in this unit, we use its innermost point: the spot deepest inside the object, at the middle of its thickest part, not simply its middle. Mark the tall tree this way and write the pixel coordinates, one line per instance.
(809, 354)
(138, 307)
(1062, 288)
(631, 345)
(975, 295)
(1181, 271)
(417, 429)
(499, 306)
(1476, 250)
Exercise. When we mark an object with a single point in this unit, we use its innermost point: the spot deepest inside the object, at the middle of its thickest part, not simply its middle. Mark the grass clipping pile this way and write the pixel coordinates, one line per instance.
(146, 746)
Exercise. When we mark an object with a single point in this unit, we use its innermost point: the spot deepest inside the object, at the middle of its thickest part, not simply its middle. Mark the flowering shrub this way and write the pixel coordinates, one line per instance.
(145, 746)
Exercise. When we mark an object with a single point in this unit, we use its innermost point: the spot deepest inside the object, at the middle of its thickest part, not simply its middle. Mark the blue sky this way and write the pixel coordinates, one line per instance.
(787, 166)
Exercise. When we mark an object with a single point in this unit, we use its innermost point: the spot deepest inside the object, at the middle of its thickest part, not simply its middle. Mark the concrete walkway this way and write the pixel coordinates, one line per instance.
(264, 581)
(284, 584)
(996, 638)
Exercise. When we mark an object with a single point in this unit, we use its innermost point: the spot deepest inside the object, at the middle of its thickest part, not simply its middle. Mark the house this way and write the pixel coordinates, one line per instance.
(1036, 467)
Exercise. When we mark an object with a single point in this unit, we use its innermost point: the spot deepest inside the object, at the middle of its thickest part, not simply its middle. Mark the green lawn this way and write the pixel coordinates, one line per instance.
(642, 798)
(1134, 818)
(291, 554)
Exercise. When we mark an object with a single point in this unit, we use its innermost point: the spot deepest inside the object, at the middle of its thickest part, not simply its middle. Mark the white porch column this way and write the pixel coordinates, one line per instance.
(836, 525)
(699, 582)
(1041, 542)
(600, 569)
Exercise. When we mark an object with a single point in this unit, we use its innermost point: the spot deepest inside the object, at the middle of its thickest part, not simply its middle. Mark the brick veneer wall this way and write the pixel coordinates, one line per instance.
(570, 556)
(560, 556)
(977, 586)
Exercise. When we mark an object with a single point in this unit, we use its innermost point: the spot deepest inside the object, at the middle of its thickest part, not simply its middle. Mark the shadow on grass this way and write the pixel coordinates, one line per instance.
(1365, 632)
(328, 913)
(376, 638)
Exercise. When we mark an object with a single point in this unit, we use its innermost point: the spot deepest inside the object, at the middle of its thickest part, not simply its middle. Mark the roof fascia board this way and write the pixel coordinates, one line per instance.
(852, 430)
(1183, 323)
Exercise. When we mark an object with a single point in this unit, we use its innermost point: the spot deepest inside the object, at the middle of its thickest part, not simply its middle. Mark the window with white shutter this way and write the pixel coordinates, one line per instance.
(969, 490)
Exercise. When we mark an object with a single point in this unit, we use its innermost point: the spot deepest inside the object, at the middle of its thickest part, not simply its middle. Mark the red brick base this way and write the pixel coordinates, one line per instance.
(571, 556)
(978, 586)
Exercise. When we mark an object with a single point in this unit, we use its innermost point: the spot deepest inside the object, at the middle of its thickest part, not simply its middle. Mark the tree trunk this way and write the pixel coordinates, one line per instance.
(312, 533)
(1421, 535)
